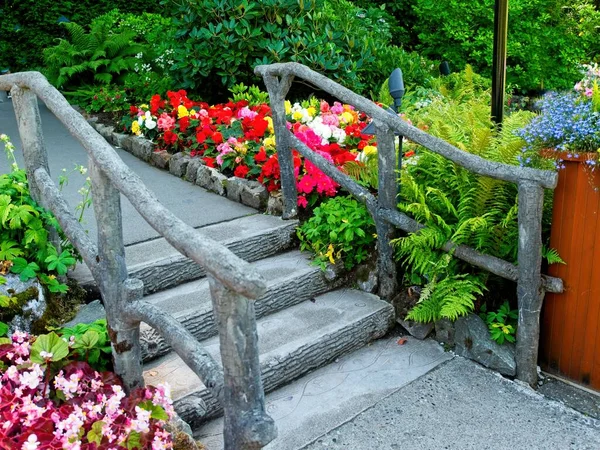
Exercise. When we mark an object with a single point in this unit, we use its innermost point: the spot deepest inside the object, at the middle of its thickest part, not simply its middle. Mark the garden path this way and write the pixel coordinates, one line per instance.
(190, 203)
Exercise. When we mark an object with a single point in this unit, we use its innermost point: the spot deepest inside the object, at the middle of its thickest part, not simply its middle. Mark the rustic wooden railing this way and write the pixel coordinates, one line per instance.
(233, 282)
(531, 284)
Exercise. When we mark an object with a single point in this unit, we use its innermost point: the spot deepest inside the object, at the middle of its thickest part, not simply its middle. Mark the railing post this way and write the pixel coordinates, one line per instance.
(30, 129)
(530, 291)
(277, 92)
(247, 425)
(115, 288)
(386, 199)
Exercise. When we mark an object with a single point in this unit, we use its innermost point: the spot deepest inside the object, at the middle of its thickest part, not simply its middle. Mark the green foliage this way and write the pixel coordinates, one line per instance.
(220, 41)
(365, 172)
(27, 27)
(547, 39)
(340, 229)
(90, 343)
(455, 204)
(97, 57)
(253, 95)
(48, 348)
(502, 323)
(24, 237)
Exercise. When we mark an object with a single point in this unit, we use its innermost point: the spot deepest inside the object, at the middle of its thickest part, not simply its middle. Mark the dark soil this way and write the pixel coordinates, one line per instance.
(110, 118)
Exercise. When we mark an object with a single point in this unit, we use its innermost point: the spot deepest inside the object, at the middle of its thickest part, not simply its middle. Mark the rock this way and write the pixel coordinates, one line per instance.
(366, 278)
(191, 173)
(473, 341)
(105, 132)
(127, 143)
(254, 194)
(275, 204)
(235, 186)
(211, 179)
(161, 159)
(333, 271)
(118, 138)
(179, 164)
(30, 304)
(416, 329)
(142, 148)
(444, 332)
(88, 313)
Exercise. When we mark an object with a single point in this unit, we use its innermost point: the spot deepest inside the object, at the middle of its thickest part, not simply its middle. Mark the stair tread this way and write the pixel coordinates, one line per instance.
(146, 253)
(279, 334)
(195, 295)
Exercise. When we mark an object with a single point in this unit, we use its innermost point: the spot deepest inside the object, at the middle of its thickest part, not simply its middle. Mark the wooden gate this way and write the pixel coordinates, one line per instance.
(570, 333)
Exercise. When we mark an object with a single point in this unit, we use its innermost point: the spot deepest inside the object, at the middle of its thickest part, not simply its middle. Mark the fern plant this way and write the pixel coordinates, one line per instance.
(457, 205)
(94, 57)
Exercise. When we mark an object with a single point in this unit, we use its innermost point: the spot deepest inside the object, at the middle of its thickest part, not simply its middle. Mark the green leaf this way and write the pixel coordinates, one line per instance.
(158, 412)
(3, 329)
(134, 440)
(25, 269)
(55, 348)
(9, 250)
(95, 434)
(89, 339)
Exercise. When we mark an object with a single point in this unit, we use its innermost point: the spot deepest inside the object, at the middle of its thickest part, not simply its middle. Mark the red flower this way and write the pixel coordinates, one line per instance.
(409, 153)
(261, 156)
(155, 104)
(132, 109)
(217, 137)
(184, 123)
(241, 171)
(210, 162)
(169, 137)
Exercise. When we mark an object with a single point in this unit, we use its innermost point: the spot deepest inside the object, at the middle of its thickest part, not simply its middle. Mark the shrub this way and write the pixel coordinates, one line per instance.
(219, 42)
(340, 230)
(27, 27)
(547, 39)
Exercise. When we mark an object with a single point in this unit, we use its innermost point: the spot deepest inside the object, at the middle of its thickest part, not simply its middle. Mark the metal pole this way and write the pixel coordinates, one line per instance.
(499, 61)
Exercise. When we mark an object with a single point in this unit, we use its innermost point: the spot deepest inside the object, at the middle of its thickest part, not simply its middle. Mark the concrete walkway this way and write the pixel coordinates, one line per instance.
(190, 203)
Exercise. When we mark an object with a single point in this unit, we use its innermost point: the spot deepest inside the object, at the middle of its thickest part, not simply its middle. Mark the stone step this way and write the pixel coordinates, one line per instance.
(160, 266)
(321, 401)
(292, 343)
(291, 279)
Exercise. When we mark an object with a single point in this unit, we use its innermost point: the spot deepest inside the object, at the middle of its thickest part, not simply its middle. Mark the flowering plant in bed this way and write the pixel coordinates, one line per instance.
(238, 138)
(48, 400)
(568, 126)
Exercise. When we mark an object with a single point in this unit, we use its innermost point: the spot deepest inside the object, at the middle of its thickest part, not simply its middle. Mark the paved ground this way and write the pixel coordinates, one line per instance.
(415, 396)
(461, 405)
(190, 203)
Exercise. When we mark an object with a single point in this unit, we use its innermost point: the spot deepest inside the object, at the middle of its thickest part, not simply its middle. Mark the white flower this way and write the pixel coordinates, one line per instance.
(140, 120)
(46, 355)
(31, 443)
(150, 124)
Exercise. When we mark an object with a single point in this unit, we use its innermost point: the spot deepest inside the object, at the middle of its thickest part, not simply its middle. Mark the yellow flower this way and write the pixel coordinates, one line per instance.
(269, 142)
(288, 107)
(135, 128)
(182, 112)
(329, 254)
(347, 117)
(297, 115)
(144, 107)
(370, 150)
(270, 126)
(311, 111)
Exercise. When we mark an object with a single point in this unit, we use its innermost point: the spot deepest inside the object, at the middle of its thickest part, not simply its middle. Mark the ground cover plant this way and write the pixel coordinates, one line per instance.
(50, 399)
(25, 245)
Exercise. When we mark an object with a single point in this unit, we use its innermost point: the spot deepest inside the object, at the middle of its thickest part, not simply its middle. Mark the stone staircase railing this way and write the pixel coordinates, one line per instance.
(233, 282)
(531, 284)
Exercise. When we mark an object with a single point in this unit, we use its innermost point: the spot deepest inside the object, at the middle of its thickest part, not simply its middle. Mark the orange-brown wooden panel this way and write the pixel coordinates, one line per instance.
(571, 321)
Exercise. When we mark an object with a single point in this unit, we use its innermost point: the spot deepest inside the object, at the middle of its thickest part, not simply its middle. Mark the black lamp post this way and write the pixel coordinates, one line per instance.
(499, 60)
(396, 87)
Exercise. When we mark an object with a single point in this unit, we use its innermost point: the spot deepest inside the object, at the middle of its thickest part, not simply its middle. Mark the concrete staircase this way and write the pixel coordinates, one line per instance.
(305, 320)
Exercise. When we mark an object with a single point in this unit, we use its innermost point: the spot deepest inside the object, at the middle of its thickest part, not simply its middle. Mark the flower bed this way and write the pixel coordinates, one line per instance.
(49, 401)
(237, 139)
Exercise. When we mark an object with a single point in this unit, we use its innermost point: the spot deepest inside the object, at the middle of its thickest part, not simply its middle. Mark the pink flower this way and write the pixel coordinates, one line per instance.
(165, 122)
